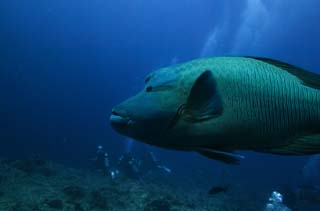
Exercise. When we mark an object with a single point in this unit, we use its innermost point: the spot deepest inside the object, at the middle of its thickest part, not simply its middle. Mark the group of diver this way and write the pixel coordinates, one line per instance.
(139, 165)
(128, 165)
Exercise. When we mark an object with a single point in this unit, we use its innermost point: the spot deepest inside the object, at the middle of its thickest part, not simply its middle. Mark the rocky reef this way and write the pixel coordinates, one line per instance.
(38, 185)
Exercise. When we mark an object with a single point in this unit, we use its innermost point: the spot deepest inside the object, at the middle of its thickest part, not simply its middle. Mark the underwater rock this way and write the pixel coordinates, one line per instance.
(39, 162)
(93, 192)
(6, 161)
(158, 205)
(98, 200)
(110, 190)
(173, 200)
(191, 205)
(19, 206)
(45, 171)
(55, 204)
(24, 165)
(16, 207)
(74, 192)
(34, 166)
(78, 207)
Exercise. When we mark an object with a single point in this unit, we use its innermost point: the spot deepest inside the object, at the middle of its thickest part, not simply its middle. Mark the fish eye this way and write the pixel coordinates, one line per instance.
(149, 89)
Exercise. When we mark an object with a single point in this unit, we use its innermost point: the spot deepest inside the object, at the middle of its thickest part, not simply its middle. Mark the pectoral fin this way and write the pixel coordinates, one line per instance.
(225, 156)
(204, 101)
(301, 145)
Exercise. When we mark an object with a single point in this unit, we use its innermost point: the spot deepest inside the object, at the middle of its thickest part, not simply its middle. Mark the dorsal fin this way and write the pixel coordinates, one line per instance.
(308, 78)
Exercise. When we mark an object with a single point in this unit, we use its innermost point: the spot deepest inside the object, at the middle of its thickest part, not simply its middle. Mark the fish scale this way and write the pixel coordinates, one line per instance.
(281, 113)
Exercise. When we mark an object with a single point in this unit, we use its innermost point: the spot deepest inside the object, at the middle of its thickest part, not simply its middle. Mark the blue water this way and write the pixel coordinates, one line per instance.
(65, 64)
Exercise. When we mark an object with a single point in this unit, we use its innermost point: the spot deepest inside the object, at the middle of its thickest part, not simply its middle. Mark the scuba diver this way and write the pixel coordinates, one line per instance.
(150, 163)
(102, 160)
(158, 164)
(129, 166)
(132, 167)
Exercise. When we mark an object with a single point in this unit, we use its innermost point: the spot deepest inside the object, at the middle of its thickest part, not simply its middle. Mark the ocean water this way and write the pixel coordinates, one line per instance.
(65, 64)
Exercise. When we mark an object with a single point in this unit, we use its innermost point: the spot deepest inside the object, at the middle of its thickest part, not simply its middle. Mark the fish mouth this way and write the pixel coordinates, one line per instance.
(119, 121)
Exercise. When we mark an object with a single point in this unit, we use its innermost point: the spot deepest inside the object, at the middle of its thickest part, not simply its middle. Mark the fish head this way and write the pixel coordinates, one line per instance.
(147, 115)
(169, 110)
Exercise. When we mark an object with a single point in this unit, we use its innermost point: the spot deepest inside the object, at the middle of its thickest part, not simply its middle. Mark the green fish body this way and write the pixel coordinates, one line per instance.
(217, 105)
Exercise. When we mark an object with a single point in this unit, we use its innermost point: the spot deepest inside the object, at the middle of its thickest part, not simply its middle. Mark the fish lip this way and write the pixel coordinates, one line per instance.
(119, 121)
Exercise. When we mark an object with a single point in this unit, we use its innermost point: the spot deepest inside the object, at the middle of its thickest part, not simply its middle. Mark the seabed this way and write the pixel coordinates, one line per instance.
(39, 185)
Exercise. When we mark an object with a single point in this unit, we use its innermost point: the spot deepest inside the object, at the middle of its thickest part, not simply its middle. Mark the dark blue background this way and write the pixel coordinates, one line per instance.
(65, 64)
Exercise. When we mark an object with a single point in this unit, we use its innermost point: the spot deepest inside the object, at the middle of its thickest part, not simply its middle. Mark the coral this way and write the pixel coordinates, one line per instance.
(6, 162)
(55, 204)
(86, 190)
(39, 162)
(33, 166)
(74, 192)
(46, 171)
(19, 206)
(78, 207)
(98, 200)
(158, 205)
(24, 165)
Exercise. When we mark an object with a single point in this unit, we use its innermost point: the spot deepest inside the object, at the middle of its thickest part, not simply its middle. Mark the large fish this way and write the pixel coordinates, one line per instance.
(217, 105)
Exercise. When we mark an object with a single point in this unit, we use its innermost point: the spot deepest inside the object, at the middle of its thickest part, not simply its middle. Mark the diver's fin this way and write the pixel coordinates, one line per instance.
(204, 101)
(225, 156)
(303, 145)
(308, 78)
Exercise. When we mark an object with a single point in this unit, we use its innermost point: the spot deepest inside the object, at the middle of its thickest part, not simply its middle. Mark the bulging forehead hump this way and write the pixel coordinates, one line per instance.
(162, 76)
(181, 72)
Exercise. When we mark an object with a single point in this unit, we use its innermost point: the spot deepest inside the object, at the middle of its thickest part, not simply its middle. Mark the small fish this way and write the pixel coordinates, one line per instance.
(217, 105)
(218, 189)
